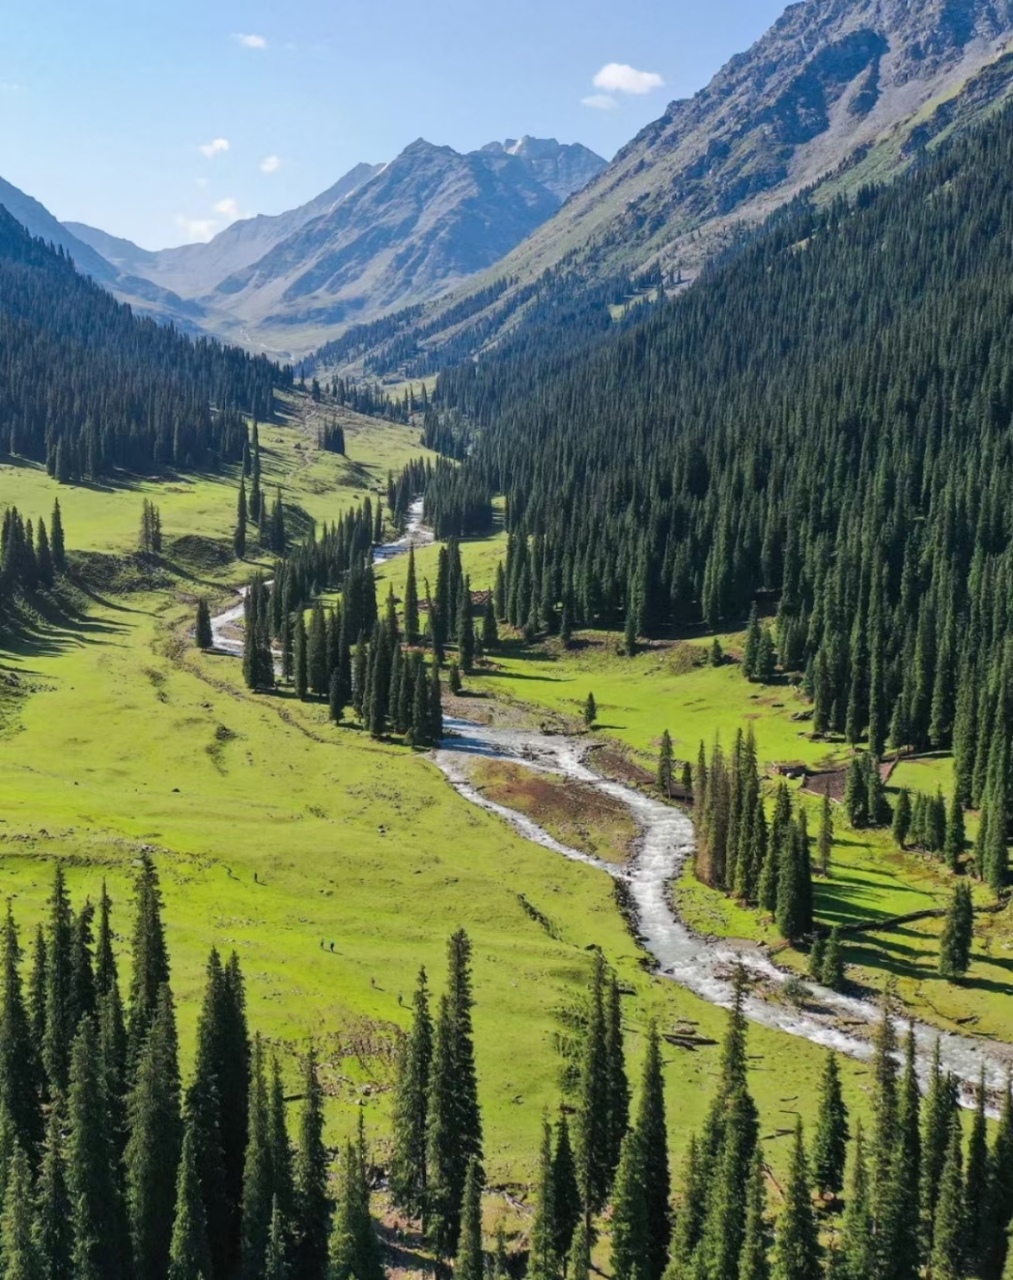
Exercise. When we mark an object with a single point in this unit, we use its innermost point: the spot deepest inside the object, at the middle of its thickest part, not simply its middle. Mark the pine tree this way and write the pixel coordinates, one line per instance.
(665, 765)
(356, 1251)
(953, 846)
(300, 657)
(976, 1188)
(96, 1209)
(578, 1265)
(832, 971)
(858, 1244)
(19, 1250)
(435, 717)
(856, 796)
(19, 1067)
(590, 711)
(796, 1245)
(618, 1085)
(282, 1178)
(443, 1183)
(57, 541)
(957, 935)
(565, 1192)
(830, 1144)
(411, 1102)
(631, 1252)
(938, 1113)
(276, 1265)
(825, 844)
(189, 1251)
(652, 1135)
(53, 1233)
(202, 632)
(411, 601)
(752, 645)
(239, 537)
(152, 1153)
(150, 957)
(754, 1263)
(470, 1263)
(313, 1204)
(592, 1111)
(902, 818)
(59, 1013)
(257, 1173)
(949, 1225)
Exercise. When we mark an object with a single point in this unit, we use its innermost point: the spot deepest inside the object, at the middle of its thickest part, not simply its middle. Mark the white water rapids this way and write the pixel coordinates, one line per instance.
(701, 965)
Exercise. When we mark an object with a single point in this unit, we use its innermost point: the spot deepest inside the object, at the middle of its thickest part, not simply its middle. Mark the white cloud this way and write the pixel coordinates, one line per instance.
(600, 102)
(229, 208)
(213, 148)
(270, 164)
(200, 229)
(250, 41)
(617, 77)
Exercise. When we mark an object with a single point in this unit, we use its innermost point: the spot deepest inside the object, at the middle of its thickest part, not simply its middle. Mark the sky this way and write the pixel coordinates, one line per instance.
(163, 123)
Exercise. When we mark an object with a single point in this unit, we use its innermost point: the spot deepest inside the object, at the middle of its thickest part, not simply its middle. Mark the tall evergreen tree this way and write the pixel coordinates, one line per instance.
(631, 1251)
(652, 1133)
(858, 1245)
(830, 1144)
(257, 1173)
(19, 1068)
(150, 956)
(152, 1153)
(202, 631)
(356, 1249)
(189, 1250)
(53, 1218)
(59, 1013)
(796, 1244)
(565, 1192)
(19, 1250)
(470, 1264)
(313, 1205)
(97, 1218)
(411, 1104)
(957, 935)
(949, 1228)
(754, 1261)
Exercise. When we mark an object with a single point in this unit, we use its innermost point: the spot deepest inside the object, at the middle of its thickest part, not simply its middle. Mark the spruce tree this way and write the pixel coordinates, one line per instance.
(590, 711)
(937, 1118)
(593, 1132)
(461, 1000)
(470, 1263)
(953, 845)
(411, 601)
(300, 657)
(189, 1251)
(356, 1251)
(825, 844)
(830, 1144)
(96, 1216)
(631, 1251)
(150, 957)
(949, 1227)
(57, 541)
(19, 1249)
(902, 818)
(754, 1261)
(59, 1013)
(832, 972)
(239, 537)
(312, 1222)
(202, 632)
(976, 1187)
(796, 1244)
(410, 1111)
(652, 1135)
(282, 1178)
(565, 1192)
(618, 1085)
(257, 1173)
(858, 1244)
(665, 765)
(958, 933)
(53, 1229)
(153, 1148)
(20, 1080)
(444, 1184)
(276, 1261)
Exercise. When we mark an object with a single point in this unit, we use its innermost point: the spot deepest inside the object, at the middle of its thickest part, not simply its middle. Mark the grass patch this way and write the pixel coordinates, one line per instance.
(573, 813)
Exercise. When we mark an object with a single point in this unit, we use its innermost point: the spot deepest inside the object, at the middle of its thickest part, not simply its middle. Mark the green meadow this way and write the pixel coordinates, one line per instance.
(278, 834)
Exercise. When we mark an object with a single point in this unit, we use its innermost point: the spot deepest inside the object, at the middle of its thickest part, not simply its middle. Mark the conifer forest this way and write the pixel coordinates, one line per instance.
(506, 669)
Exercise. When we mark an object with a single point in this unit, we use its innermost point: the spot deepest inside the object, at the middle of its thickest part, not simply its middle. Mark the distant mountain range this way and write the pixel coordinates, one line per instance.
(383, 237)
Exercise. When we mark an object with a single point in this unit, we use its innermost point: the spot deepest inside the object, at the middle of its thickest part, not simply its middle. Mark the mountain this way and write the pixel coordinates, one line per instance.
(194, 269)
(89, 388)
(837, 94)
(383, 237)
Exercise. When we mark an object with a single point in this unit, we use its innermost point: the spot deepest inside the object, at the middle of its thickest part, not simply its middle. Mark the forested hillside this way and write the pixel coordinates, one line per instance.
(824, 420)
(86, 387)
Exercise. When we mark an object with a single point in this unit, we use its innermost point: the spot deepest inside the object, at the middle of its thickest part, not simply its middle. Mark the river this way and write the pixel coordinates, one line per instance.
(702, 965)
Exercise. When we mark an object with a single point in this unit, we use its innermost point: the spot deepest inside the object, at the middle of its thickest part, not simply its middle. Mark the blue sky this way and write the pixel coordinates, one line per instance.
(164, 122)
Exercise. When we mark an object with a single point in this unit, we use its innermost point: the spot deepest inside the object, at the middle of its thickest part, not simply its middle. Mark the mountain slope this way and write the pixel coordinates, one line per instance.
(383, 237)
(838, 93)
(87, 387)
